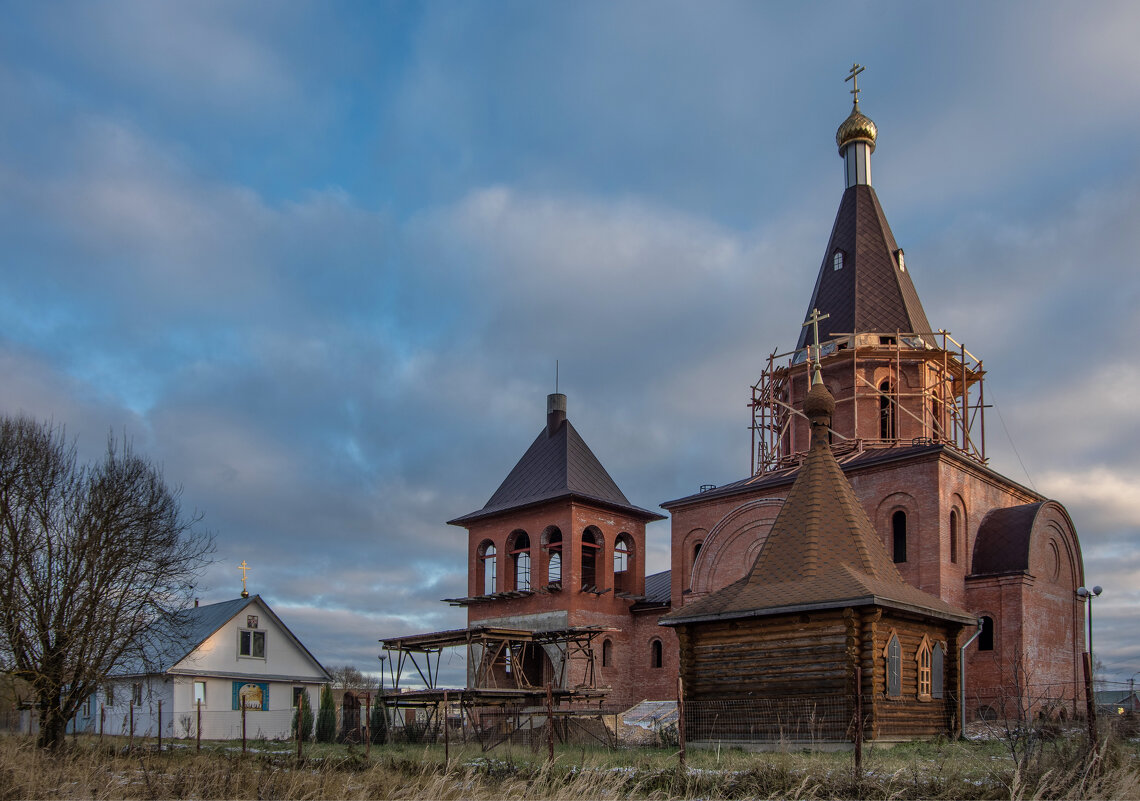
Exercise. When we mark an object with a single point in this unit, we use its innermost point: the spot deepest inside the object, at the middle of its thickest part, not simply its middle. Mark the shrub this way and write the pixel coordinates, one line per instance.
(379, 723)
(326, 717)
(305, 711)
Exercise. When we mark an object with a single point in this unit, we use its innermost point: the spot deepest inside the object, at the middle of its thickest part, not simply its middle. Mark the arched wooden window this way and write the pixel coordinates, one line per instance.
(937, 669)
(656, 654)
(893, 655)
(623, 563)
(554, 558)
(954, 536)
(520, 559)
(986, 638)
(591, 544)
(936, 417)
(923, 660)
(607, 653)
(898, 535)
(886, 412)
(489, 567)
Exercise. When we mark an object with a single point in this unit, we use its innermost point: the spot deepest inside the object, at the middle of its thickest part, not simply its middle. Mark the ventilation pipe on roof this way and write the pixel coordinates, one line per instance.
(555, 412)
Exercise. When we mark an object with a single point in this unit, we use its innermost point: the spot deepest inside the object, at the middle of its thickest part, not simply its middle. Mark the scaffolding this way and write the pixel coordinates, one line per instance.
(949, 402)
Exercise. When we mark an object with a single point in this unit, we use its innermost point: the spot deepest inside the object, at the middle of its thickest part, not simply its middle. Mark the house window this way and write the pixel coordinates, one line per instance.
(937, 657)
(199, 694)
(898, 532)
(554, 548)
(109, 694)
(591, 544)
(87, 706)
(297, 693)
(837, 260)
(954, 536)
(623, 557)
(656, 656)
(487, 557)
(520, 556)
(893, 654)
(607, 653)
(986, 639)
(136, 694)
(886, 412)
(924, 661)
(251, 644)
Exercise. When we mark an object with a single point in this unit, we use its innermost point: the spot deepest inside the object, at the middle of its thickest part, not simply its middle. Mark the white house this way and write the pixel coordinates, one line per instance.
(229, 655)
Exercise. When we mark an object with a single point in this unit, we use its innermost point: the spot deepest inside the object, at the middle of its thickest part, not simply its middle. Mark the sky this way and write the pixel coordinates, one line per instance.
(318, 260)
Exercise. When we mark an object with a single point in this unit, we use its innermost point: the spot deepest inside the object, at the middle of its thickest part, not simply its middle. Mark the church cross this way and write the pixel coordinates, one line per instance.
(854, 78)
(813, 320)
(244, 568)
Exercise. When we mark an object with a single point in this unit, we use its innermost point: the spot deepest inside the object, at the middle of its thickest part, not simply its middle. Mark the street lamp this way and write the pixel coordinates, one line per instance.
(1088, 595)
(382, 657)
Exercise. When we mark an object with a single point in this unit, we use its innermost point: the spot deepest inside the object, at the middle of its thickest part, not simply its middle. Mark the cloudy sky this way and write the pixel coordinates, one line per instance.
(318, 259)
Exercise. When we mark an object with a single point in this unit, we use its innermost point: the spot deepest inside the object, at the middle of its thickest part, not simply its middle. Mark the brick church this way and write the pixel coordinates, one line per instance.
(559, 545)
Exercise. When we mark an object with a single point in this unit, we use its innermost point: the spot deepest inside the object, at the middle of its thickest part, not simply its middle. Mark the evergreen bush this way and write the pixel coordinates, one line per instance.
(305, 710)
(379, 723)
(326, 717)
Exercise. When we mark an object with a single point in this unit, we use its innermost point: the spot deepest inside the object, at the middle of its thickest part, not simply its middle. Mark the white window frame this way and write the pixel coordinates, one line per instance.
(254, 636)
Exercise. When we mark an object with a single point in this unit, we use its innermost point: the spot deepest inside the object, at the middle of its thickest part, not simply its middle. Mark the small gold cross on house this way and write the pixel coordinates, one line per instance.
(244, 568)
(854, 78)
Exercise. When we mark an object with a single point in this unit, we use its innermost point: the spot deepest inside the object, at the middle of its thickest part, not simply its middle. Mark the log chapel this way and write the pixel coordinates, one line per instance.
(900, 434)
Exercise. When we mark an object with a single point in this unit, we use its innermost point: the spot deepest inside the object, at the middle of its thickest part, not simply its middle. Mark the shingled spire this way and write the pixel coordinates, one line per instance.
(863, 283)
(822, 551)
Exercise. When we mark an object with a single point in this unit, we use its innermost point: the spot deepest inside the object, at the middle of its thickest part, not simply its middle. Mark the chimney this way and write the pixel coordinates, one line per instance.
(555, 412)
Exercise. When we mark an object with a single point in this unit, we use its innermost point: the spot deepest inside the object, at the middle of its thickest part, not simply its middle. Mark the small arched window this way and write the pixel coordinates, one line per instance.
(623, 563)
(656, 654)
(924, 663)
(520, 558)
(936, 417)
(591, 544)
(986, 638)
(893, 655)
(886, 412)
(554, 558)
(898, 535)
(489, 568)
(954, 536)
(607, 653)
(837, 260)
(937, 658)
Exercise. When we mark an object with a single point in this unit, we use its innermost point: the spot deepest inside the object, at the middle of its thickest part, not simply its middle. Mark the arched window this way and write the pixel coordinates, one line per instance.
(487, 557)
(936, 417)
(591, 544)
(923, 660)
(898, 534)
(954, 536)
(623, 563)
(837, 260)
(886, 412)
(656, 654)
(937, 657)
(607, 653)
(520, 559)
(554, 559)
(893, 655)
(986, 638)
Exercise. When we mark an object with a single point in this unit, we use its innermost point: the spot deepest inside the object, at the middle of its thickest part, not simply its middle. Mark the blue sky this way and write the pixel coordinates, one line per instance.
(318, 259)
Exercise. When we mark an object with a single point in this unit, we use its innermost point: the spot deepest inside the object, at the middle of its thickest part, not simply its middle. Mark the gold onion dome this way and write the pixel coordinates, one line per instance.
(856, 127)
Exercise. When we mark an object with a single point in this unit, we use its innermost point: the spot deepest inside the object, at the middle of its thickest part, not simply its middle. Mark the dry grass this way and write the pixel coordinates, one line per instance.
(925, 770)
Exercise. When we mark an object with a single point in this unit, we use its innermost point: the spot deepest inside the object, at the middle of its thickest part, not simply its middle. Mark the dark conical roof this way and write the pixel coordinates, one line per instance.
(821, 553)
(871, 293)
(558, 464)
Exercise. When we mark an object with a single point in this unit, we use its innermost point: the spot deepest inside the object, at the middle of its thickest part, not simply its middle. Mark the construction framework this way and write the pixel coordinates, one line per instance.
(950, 395)
(502, 699)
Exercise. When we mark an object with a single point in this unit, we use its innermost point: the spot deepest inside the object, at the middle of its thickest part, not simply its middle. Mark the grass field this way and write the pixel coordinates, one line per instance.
(88, 768)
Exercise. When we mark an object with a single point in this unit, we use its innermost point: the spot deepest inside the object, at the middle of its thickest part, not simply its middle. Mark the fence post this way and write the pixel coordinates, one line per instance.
(859, 720)
(131, 735)
(198, 732)
(446, 734)
(681, 719)
(368, 725)
(102, 718)
(160, 725)
(550, 723)
(242, 700)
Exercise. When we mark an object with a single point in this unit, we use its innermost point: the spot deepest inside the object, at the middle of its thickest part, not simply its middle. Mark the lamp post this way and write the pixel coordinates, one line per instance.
(1088, 595)
(382, 657)
(1132, 691)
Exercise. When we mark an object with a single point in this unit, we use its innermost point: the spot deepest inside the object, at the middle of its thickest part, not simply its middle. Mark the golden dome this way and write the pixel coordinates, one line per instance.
(857, 126)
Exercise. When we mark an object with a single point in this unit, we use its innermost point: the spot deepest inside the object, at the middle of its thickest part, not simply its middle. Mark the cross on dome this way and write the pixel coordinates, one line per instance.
(854, 78)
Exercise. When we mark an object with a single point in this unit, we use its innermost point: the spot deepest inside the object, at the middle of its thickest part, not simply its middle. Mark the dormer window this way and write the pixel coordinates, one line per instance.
(837, 260)
(901, 258)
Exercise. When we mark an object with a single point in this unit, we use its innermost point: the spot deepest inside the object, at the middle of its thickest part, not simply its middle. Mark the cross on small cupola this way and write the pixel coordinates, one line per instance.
(244, 568)
(854, 78)
(813, 320)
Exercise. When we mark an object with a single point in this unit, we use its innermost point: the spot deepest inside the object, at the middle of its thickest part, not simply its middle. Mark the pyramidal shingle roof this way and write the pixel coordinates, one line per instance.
(871, 292)
(558, 464)
(821, 553)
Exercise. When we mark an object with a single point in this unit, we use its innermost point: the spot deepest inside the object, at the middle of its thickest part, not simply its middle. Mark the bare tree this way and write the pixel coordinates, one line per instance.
(349, 677)
(95, 562)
